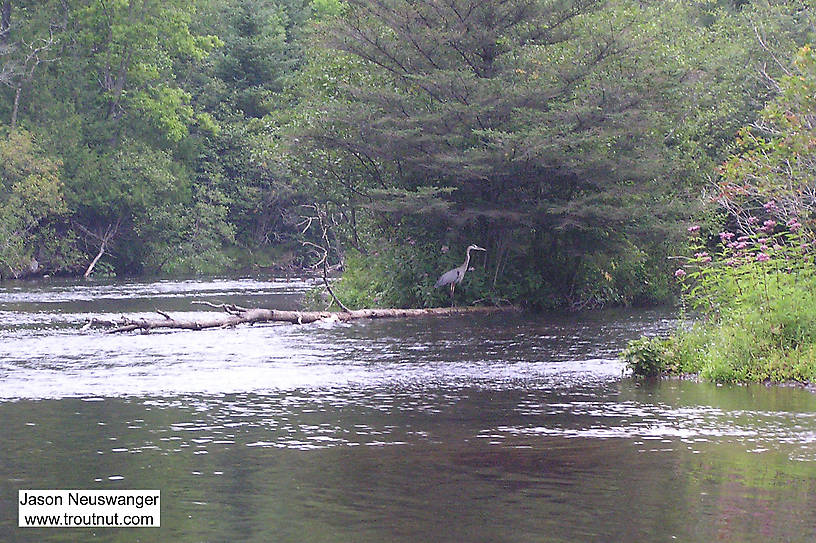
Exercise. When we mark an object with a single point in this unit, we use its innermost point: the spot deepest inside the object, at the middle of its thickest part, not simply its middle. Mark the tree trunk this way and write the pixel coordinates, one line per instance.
(104, 239)
(234, 315)
(99, 255)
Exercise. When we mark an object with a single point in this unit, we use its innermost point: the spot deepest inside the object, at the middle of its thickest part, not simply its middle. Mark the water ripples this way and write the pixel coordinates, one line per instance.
(84, 292)
(510, 381)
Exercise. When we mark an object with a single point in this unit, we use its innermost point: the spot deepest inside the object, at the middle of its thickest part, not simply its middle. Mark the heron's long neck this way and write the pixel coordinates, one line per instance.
(467, 259)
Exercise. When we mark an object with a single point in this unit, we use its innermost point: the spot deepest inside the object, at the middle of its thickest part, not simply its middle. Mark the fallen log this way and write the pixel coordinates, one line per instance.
(234, 315)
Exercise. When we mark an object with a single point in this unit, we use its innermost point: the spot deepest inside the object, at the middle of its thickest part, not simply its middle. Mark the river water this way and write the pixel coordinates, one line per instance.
(494, 428)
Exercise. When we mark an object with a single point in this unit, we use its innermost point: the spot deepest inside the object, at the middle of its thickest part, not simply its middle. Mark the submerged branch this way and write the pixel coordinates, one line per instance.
(235, 315)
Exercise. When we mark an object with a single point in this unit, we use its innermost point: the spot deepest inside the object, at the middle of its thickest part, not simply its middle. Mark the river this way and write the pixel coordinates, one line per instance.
(516, 428)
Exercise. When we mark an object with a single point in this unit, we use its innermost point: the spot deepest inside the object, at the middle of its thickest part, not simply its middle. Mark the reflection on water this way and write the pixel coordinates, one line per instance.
(496, 428)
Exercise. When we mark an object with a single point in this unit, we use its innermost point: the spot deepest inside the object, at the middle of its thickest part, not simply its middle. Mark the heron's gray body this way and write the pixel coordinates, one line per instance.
(454, 277)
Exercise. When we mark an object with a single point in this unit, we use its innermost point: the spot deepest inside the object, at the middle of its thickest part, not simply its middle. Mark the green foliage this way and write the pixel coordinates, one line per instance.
(324, 9)
(121, 107)
(757, 291)
(402, 273)
(258, 53)
(677, 354)
(30, 195)
(776, 161)
(758, 296)
(774, 341)
(568, 138)
(527, 276)
(580, 131)
(363, 284)
(130, 49)
(167, 109)
(629, 277)
(404, 276)
(646, 357)
(182, 240)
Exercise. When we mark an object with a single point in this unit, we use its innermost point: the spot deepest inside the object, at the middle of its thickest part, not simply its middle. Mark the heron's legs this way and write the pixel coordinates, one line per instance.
(453, 286)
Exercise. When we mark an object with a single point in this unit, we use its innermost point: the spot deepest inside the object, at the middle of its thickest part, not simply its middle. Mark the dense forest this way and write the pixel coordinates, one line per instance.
(573, 139)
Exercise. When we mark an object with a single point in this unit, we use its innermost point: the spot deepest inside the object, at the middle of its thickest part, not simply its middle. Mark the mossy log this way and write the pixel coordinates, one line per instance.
(233, 315)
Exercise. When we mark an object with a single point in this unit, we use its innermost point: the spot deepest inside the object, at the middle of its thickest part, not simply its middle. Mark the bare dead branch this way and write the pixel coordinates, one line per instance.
(232, 309)
(322, 251)
(767, 49)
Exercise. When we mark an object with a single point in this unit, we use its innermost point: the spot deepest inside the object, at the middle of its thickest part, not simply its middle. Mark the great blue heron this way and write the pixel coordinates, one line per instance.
(455, 276)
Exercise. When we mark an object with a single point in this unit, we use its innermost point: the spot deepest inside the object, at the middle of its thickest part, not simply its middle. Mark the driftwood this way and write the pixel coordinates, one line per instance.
(234, 315)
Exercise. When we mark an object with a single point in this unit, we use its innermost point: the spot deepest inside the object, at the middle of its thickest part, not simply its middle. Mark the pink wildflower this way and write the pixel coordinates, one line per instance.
(762, 257)
(725, 236)
(752, 220)
(793, 224)
(770, 206)
(680, 273)
(693, 229)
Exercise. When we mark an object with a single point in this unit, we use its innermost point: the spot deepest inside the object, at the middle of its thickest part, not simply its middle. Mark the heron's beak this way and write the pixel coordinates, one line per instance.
(477, 248)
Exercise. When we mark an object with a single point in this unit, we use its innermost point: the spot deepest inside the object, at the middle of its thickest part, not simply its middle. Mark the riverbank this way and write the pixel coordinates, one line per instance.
(267, 261)
(695, 378)
(768, 339)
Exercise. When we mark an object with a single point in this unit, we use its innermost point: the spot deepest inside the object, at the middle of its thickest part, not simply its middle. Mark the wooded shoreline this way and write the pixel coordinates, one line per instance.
(571, 140)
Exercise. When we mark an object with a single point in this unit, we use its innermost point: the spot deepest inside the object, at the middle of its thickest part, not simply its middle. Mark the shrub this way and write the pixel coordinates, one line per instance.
(647, 356)
(755, 286)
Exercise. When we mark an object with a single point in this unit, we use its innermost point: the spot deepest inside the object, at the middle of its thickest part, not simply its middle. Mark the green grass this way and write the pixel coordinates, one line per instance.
(766, 332)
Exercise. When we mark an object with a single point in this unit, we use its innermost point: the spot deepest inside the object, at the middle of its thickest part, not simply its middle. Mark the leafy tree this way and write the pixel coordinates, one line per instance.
(259, 53)
(127, 117)
(131, 47)
(526, 114)
(773, 173)
(242, 86)
(31, 37)
(30, 194)
(567, 137)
